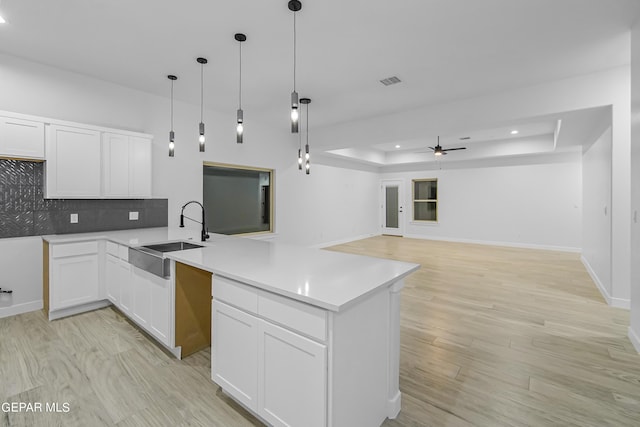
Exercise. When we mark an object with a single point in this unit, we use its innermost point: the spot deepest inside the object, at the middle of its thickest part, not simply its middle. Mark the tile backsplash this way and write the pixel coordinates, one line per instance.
(25, 212)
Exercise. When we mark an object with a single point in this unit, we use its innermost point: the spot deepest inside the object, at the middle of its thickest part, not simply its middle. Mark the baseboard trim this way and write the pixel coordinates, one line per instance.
(634, 338)
(21, 308)
(612, 301)
(342, 241)
(496, 243)
(64, 312)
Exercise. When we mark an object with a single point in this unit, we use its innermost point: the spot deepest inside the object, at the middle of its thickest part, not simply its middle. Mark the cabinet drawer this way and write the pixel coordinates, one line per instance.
(235, 293)
(296, 315)
(74, 249)
(112, 248)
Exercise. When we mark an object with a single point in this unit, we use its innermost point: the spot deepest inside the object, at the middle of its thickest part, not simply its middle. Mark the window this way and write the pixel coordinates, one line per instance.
(425, 199)
(237, 199)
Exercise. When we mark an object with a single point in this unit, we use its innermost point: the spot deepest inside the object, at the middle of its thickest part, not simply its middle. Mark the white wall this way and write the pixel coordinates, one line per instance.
(634, 328)
(21, 267)
(309, 210)
(527, 205)
(596, 216)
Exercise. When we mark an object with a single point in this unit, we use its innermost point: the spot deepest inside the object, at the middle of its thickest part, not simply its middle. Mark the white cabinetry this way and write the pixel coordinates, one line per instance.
(23, 139)
(275, 371)
(73, 162)
(118, 276)
(293, 378)
(126, 166)
(74, 275)
(235, 364)
(151, 303)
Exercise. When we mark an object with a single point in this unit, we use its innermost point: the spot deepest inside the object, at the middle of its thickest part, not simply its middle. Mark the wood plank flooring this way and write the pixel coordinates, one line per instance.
(495, 336)
(490, 336)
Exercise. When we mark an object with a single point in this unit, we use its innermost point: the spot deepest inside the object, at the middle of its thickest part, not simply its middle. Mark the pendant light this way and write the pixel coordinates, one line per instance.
(239, 116)
(201, 61)
(299, 151)
(307, 165)
(172, 135)
(294, 6)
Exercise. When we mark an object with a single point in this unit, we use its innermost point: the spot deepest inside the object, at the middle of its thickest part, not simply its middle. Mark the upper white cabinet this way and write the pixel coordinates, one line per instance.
(23, 139)
(126, 166)
(73, 162)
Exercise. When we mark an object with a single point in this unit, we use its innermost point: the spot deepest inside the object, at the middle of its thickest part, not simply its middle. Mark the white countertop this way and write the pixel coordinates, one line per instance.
(135, 237)
(326, 279)
(330, 280)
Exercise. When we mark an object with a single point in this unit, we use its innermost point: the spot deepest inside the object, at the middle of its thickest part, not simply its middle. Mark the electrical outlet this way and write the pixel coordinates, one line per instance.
(74, 218)
(133, 216)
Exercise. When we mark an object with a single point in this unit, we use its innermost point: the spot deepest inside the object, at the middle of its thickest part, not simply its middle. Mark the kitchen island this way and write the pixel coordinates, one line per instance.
(303, 337)
(298, 336)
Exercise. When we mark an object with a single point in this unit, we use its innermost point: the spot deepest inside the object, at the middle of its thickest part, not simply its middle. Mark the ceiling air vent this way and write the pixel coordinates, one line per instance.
(390, 81)
(464, 138)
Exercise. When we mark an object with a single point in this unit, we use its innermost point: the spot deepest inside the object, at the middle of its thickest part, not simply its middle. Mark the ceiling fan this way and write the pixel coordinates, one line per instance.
(439, 151)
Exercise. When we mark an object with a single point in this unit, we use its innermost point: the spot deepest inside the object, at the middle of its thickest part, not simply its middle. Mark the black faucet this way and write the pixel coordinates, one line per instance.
(205, 233)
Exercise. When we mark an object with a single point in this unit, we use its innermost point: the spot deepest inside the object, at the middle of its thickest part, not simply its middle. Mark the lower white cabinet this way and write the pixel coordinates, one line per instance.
(111, 278)
(74, 275)
(274, 371)
(151, 303)
(235, 364)
(293, 377)
(125, 283)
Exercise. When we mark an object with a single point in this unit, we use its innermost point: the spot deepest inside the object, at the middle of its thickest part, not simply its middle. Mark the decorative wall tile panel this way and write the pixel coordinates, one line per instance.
(25, 212)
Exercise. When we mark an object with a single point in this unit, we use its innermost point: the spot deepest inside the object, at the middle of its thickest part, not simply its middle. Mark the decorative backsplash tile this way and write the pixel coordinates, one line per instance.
(25, 212)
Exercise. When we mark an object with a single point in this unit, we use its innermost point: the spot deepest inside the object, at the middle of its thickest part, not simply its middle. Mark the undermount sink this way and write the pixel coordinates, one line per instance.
(150, 257)
(172, 246)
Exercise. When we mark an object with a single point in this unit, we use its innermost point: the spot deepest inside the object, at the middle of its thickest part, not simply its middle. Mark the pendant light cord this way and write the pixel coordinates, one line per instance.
(171, 105)
(240, 85)
(294, 51)
(201, 92)
(307, 123)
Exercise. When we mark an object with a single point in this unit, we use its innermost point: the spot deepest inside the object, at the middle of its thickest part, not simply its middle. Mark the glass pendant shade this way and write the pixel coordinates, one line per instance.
(239, 127)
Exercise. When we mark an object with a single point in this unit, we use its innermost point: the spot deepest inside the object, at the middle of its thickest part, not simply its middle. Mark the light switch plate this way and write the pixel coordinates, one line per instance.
(74, 218)
(133, 216)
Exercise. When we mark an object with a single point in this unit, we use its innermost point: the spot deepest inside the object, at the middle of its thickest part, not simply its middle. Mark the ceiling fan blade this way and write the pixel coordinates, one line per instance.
(432, 148)
(453, 149)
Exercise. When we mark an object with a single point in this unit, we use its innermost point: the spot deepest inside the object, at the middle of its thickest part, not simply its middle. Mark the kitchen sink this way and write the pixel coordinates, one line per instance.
(150, 257)
(172, 246)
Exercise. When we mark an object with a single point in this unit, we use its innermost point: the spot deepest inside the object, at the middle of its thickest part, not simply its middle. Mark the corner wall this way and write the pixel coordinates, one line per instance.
(634, 328)
(596, 199)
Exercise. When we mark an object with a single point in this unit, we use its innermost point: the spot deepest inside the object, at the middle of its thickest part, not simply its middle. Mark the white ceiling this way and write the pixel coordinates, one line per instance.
(442, 50)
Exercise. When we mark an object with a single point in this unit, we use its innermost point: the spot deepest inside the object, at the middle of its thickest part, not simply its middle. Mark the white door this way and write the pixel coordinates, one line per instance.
(74, 281)
(392, 207)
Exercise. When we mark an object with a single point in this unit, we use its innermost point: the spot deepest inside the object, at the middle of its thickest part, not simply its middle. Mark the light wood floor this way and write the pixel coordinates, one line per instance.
(490, 337)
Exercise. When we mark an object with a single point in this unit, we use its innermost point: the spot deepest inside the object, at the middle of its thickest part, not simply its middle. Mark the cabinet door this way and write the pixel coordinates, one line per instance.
(21, 138)
(115, 165)
(73, 162)
(74, 280)
(112, 279)
(141, 297)
(139, 167)
(126, 287)
(234, 352)
(160, 308)
(293, 378)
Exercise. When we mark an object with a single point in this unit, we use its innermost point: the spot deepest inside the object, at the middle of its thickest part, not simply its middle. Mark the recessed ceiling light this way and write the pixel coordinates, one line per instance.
(514, 132)
(397, 146)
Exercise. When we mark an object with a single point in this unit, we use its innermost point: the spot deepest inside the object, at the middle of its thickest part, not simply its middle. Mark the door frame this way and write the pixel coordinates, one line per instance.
(401, 204)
